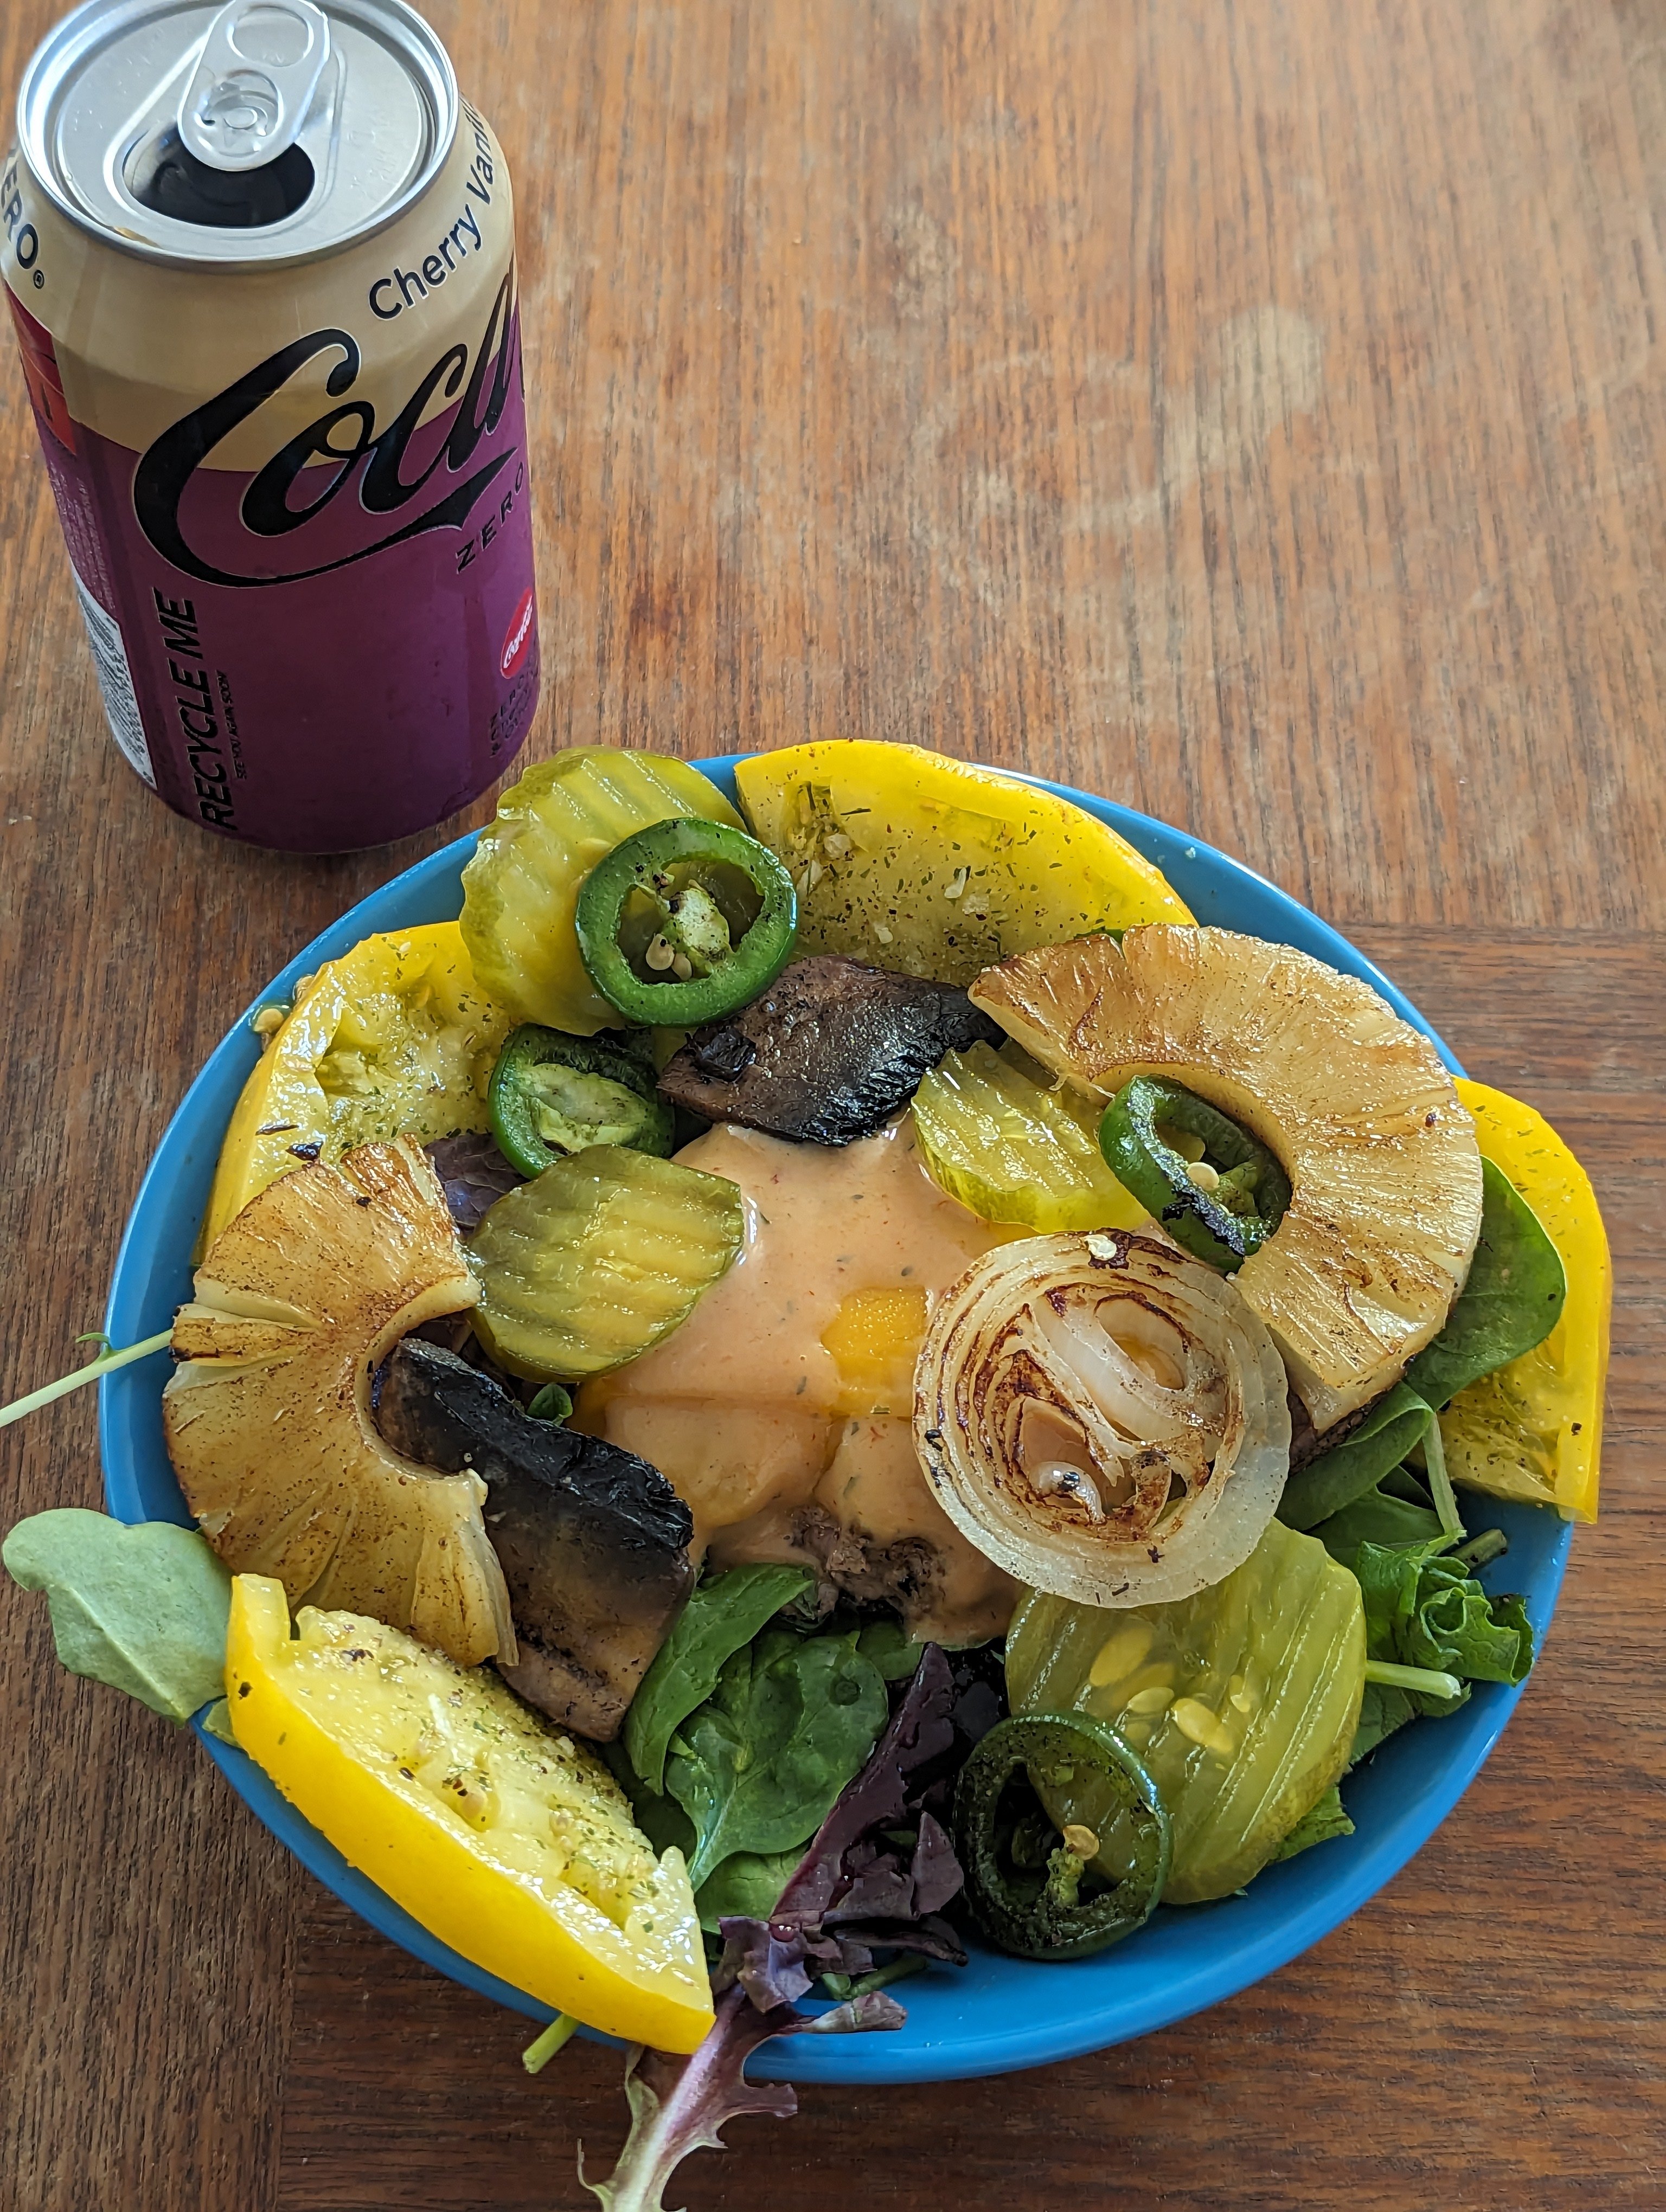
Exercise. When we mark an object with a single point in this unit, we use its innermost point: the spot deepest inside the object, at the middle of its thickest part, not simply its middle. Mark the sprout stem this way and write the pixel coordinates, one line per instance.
(1440, 1483)
(910, 1962)
(1425, 1678)
(1491, 1543)
(537, 2054)
(106, 1364)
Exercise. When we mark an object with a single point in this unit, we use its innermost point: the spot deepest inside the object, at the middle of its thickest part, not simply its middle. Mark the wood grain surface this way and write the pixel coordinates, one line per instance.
(1251, 409)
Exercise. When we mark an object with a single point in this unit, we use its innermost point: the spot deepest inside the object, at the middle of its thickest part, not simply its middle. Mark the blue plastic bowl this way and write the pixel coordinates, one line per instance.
(998, 2013)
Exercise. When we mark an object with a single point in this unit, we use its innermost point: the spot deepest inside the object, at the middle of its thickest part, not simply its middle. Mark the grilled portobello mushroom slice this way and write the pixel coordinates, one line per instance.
(592, 1540)
(828, 1054)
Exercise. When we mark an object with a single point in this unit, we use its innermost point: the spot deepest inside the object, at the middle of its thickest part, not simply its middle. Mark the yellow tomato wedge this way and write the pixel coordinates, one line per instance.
(1533, 1430)
(930, 867)
(503, 1838)
(396, 1038)
(874, 1339)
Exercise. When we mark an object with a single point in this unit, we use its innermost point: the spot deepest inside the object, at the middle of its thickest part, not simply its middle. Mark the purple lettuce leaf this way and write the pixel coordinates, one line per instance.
(772, 1972)
(858, 2016)
(473, 1173)
(777, 1967)
(682, 2104)
(856, 1890)
(833, 1866)
(934, 1871)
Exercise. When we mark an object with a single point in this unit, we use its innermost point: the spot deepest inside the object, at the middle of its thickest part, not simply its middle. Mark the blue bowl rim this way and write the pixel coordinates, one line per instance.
(1011, 2043)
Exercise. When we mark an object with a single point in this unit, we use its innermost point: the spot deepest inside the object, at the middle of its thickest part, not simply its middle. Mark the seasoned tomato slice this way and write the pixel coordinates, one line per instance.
(396, 1038)
(498, 1834)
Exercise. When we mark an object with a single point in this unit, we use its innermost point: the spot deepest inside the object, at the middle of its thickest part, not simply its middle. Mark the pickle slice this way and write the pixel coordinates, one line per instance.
(1241, 1702)
(522, 888)
(598, 1259)
(1013, 1149)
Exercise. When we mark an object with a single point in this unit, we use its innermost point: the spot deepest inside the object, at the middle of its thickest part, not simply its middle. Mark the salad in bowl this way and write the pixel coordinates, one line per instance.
(829, 1403)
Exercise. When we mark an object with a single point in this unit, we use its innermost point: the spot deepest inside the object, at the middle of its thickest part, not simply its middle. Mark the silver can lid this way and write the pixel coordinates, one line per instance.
(244, 135)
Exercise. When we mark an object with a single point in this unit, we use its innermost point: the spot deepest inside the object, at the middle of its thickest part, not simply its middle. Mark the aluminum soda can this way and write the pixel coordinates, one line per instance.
(261, 261)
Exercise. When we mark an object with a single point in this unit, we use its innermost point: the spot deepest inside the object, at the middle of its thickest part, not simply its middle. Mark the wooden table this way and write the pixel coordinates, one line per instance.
(1253, 410)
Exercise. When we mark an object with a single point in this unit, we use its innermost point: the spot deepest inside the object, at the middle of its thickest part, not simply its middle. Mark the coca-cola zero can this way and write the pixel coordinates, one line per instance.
(261, 261)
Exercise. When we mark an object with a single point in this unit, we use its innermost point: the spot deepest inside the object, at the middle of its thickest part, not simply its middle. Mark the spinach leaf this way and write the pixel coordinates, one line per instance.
(725, 1613)
(1358, 1492)
(746, 1887)
(790, 1722)
(1511, 1302)
(143, 1608)
(665, 1824)
(1379, 1517)
(1319, 1825)
(886, 1645)
(747, 1883)
(1340, 1476)
(1410, 1483)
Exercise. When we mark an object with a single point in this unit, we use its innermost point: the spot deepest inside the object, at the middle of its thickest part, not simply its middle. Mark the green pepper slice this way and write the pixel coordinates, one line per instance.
(553, 1094)
(1215, 1187)
(685, 922)
(1043, 1900)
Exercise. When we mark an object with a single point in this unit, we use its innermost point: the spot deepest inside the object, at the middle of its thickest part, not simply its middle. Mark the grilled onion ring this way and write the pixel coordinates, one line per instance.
(1103, 1417)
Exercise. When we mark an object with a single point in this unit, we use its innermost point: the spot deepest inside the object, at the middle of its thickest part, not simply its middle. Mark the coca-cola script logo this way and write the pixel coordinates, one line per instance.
(517, 636)
(164, 473)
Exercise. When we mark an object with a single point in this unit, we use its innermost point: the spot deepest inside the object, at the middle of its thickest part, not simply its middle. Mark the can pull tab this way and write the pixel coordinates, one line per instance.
(253, 82)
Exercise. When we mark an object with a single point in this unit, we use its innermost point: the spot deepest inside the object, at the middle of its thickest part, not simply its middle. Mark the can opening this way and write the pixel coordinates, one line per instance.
(164, 175)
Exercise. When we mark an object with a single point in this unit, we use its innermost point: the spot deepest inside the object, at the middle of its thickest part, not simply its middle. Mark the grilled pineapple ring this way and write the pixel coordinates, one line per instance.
(1381, 1157)
(268, 1418)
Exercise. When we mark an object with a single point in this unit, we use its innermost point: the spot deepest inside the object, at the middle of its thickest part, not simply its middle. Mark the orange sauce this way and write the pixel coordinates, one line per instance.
(748, 1412)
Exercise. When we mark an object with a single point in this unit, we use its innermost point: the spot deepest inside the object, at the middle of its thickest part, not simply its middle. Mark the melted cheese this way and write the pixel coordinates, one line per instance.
(781, 1451)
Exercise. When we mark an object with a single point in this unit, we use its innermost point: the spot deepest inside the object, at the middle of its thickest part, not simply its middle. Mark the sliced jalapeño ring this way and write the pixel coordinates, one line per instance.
(553, 1094)
(1044, 1896)
(685, 922)
(1216, 1189)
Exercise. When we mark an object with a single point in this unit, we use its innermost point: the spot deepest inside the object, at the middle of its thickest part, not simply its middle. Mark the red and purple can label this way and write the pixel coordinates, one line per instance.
(309, 592)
